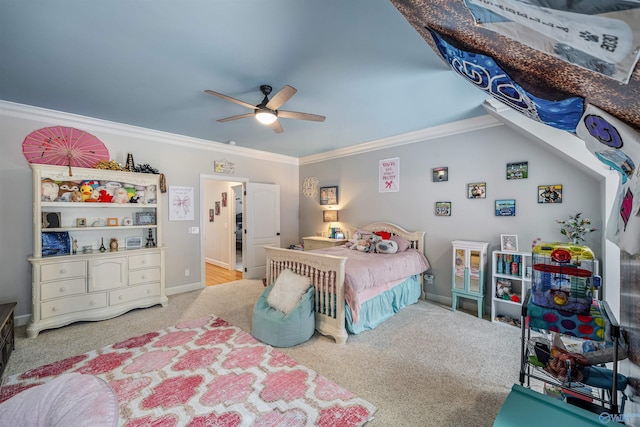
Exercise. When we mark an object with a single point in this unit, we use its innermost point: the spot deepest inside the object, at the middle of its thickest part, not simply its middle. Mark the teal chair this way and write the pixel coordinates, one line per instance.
(278, 329)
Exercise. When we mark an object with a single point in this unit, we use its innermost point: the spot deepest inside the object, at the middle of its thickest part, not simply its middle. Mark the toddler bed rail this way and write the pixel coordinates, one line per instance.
(327, 277)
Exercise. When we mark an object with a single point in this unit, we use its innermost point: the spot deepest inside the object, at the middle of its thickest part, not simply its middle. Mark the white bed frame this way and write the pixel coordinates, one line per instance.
(327, 276)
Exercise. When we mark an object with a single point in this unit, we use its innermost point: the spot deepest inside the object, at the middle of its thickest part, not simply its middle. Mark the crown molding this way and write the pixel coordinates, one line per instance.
(440, 131)
(90, 124)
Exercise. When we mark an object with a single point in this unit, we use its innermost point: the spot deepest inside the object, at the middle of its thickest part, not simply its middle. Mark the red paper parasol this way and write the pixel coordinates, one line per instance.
(59, 145)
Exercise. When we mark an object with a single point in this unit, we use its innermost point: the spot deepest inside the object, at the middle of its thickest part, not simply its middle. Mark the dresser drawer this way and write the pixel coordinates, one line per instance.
(133, 293)
(62, 270)
(62, 288)
(144, 261)
(145, 275)
(72, 305)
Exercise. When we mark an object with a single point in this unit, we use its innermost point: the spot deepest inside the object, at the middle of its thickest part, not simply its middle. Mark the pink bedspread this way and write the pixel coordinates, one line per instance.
(364, 271)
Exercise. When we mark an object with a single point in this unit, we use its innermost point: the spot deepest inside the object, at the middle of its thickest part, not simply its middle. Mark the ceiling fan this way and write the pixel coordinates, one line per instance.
(267, 111)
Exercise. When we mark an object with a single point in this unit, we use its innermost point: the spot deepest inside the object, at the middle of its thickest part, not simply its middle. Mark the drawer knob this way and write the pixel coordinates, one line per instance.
(92, 302)
(54, 309)
(144, 277)
(63, 289)
(148, 291)
(144, 261)
(63, 271)
(121, 297)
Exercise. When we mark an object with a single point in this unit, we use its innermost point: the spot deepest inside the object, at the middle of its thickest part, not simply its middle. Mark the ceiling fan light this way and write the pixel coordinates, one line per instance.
(265, 117)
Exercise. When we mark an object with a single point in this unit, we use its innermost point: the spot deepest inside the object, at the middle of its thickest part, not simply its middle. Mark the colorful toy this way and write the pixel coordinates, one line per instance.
(48, 190)
(86, 190)
(564, 277)
(65, 190)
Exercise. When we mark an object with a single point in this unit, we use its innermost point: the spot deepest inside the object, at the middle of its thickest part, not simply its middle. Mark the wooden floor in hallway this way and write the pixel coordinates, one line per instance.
(218, 275)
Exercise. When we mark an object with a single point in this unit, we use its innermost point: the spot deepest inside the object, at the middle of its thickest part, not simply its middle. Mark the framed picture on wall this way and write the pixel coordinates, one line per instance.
(440, 174)
(518, 170)
(217, 207)
(477, 190)
(550, 193)
(211, 213)
(443, 209)
(329, 195)
(224, 199)
(506, 207)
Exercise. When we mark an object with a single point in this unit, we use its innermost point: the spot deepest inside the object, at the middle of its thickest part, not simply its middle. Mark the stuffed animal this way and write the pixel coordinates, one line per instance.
(48, 190)
(386, 247)
(121, 195)
(66, 189)
(86, 190)
(75, 196)
(105, 194)
(503, 288)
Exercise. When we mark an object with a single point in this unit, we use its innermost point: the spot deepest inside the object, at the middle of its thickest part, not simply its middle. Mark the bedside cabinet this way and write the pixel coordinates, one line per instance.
(311, 243)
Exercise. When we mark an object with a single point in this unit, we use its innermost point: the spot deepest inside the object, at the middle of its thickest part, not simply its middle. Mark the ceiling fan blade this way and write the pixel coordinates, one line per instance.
(276, 126)
(241, 116)
(228, 98)
(300, 116)
(281, 97)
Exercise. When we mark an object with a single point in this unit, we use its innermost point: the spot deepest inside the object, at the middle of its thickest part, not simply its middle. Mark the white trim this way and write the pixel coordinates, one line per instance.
(462, 126)
(180, 289)
(90, 124)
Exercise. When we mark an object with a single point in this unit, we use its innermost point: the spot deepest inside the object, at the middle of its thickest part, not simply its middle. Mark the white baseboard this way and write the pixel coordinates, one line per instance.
(190, 287)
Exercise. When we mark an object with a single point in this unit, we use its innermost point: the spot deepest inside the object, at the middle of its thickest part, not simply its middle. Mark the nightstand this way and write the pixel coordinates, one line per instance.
(7, 334)
(315, 242)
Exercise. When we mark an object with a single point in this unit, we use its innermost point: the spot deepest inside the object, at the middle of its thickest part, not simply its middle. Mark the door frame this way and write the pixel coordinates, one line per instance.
(229, 179)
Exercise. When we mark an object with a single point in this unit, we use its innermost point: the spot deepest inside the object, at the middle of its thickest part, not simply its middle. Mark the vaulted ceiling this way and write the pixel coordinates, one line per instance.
(369, 66)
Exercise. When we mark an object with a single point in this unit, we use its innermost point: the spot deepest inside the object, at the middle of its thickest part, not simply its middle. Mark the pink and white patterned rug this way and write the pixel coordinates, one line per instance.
(207, 372)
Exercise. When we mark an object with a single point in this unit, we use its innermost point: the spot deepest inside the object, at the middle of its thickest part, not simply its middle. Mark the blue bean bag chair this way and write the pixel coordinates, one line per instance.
(278, 329)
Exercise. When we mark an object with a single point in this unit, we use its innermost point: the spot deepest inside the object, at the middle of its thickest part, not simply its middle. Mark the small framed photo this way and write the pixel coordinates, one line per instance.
(81, 222)
(518, 170)
(477, 190)
(133, 242)
(550, 193)
(443, 209)
(145, 218)
(217, 207)
(440, 174)
(127, 221)
(112, 222)
(328, 195)
(211, 213)
(509, 242)
(224, 199)
(506, 207)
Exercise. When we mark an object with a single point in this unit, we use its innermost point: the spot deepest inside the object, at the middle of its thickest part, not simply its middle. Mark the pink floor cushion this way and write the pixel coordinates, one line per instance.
(69, 400)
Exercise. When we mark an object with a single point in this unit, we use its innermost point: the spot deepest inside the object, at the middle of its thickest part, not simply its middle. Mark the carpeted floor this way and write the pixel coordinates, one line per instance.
(426, 366)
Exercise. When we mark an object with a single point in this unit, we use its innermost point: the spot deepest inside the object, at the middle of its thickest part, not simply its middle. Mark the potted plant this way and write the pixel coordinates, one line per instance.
(575, 227)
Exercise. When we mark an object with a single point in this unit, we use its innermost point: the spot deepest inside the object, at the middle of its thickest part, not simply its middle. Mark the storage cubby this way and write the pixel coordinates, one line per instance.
(510, 270)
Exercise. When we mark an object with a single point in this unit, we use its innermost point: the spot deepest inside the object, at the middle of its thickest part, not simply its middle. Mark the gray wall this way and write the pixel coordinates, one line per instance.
(479, 156)
(182, 160)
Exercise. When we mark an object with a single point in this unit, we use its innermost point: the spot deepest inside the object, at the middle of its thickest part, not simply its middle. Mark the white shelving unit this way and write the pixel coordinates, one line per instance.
(513, 268)
(89, 284)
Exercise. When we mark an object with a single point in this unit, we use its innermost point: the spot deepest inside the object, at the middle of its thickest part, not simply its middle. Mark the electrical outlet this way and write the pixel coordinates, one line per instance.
(429, 278)
(187, 272)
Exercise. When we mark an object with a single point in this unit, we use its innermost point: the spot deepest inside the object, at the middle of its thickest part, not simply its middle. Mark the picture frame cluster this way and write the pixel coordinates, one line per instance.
(504, 207)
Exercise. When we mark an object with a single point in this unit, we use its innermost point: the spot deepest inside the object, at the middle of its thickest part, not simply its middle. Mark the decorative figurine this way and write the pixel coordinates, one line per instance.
(150, 242)
(74, 247)
(102, 248)
(113, 246)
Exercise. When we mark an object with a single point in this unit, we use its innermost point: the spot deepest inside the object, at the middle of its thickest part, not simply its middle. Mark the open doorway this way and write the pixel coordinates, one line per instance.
(222, 237)
(237, 195)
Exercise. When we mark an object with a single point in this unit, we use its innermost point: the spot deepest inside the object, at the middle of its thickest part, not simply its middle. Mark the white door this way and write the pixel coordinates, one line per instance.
(261, 225)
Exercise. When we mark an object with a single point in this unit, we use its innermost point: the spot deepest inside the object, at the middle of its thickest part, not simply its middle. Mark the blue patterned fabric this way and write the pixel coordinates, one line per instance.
(485, 74)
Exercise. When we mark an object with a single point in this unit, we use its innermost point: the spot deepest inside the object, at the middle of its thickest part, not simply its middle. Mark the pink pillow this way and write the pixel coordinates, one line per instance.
(403, 244)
